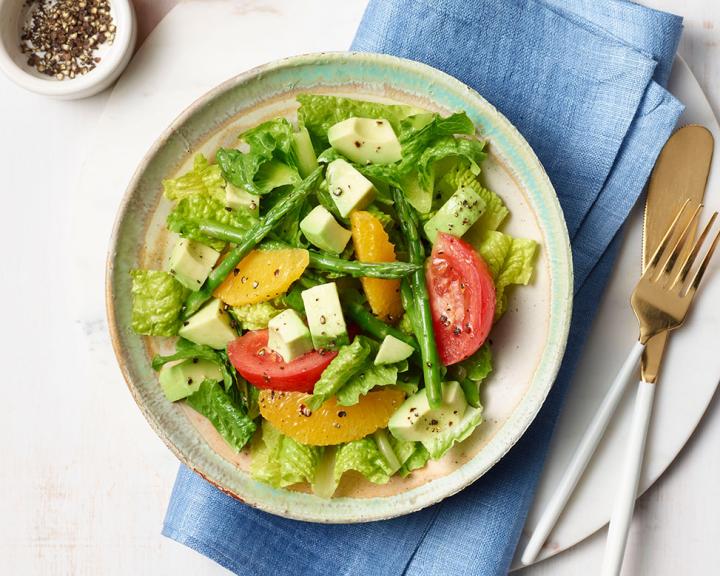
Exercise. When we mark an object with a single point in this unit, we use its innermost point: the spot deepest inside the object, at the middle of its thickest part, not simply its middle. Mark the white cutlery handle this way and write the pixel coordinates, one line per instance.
(625, 499)
(582, 455)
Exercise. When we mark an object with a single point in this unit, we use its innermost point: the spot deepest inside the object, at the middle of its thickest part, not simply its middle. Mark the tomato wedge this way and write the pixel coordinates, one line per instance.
(266, 369)
(462, 298)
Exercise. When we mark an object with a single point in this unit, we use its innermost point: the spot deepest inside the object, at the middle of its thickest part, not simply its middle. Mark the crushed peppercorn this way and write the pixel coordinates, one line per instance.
(62, 37)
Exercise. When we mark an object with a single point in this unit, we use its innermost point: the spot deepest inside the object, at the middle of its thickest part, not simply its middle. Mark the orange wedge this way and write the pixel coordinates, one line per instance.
(262, 275)
(373, 245)
(331, 423)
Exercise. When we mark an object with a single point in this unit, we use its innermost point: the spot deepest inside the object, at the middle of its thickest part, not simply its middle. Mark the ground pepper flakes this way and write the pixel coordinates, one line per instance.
(62, 37)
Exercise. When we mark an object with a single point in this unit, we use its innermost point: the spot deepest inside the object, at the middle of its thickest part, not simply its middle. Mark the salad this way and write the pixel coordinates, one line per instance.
(332, 290)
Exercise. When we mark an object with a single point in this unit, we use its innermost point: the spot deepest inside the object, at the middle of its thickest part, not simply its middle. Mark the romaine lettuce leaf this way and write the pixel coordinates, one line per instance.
(269, 163)
(471, 373)
(349, 361)
(461, 174)
(363, 456)
(366, 380)
(195, 208)
(318, 113)
(185, 349)
(227, 417)
(510, 261)
(470, 150)
(204, 178)
(413, 455)
(438, 444)
(280, 461)
(157, 301)
(256, 316)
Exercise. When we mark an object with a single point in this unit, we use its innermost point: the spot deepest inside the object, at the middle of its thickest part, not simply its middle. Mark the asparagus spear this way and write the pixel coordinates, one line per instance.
(249, 240)
(370, 323)
(319, 261)
(421, 315)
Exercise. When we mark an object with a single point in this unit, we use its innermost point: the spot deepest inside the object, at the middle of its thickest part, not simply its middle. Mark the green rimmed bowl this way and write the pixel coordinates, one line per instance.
(528, 342)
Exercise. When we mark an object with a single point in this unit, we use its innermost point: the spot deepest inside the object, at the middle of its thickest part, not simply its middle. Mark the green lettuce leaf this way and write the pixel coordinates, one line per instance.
(470, 150)
(269, 163)
(204, 178)
(363, 456)
(227, 417)
(193, 209)
(413, 455)
(349, 361)
(461, 174)
(511, 261)
(256, 316)
(280, 461)
(157, 301)
(185, 349)
(318, 113)
(438, 444)
(471, 373)
(366, 380)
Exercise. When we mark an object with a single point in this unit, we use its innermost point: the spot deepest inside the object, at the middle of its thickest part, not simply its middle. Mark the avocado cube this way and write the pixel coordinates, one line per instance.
(416, 421)
(180, 379)
(323, 231)
(325, 316)
(306, 159)
(191, 263)
(456, 216)
(393, 350)
(209, 326)
(288, 335)
(349, 189)
(238, 199)
(366, 140)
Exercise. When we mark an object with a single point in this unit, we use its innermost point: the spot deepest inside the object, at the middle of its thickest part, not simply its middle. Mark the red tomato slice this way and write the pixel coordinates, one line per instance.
(266, 369)
(462, 298)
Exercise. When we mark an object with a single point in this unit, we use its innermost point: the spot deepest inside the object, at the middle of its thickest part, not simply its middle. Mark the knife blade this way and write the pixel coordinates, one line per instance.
(680, 173)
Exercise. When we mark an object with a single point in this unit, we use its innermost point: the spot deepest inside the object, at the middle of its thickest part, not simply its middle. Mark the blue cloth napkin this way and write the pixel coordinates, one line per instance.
(583, 82)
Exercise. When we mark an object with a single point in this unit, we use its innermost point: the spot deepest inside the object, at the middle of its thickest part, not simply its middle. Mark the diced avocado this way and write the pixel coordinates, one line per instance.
(416, 421)
(349, 189)
(456, 216)
(393, 350)
(191, 262)
(239, 199)
(323, 231)
(366, 140)
(325, 317)
(210, 326)
(302, 145)
(288, 335)
(180, 379)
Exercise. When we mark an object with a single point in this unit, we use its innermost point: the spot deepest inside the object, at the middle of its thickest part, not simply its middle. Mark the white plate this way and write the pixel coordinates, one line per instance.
(688, 377)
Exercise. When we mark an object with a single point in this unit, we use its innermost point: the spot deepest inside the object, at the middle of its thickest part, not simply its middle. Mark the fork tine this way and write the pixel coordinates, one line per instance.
(703, 266)
(690, 258)
(672, 258)
(652, 263)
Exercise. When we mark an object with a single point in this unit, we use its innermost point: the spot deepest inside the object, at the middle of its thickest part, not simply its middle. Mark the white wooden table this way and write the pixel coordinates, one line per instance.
(84, 481)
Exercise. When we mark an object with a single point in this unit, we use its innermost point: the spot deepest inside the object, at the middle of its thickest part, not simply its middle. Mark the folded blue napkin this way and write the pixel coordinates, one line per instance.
(583, 82)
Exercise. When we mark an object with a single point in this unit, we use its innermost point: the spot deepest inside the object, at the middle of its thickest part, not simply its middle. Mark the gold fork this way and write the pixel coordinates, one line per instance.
(660, 301)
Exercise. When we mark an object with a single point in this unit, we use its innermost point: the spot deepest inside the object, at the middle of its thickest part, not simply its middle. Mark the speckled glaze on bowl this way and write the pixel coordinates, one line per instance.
(528, 342)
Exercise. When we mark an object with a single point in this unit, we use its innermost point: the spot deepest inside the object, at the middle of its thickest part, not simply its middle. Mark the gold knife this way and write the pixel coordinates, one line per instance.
(680, 174)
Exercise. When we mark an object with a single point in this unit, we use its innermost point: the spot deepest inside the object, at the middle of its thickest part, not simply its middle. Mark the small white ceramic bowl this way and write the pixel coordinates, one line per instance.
(114, 58)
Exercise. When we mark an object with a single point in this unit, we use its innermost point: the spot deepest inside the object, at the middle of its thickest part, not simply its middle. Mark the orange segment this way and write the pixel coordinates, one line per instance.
(331, 423)
(373, 245)
(262, 275)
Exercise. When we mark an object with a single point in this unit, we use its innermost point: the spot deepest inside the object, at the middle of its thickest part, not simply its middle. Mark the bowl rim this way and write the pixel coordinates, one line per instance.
(107, 70)
(530, 403)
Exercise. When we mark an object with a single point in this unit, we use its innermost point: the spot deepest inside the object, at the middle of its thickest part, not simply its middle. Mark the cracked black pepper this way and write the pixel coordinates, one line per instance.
(61, 37)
